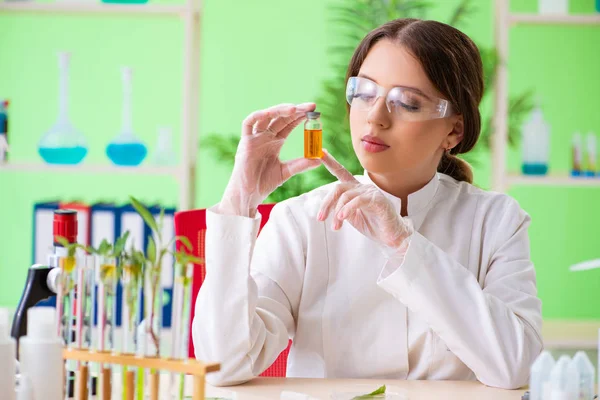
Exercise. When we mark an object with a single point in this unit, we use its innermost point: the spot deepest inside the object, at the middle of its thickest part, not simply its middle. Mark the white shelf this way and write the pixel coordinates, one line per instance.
(545, 19)
(189, 11)
(552, 180)
(89, 7)
(570, 335)
(92, 169)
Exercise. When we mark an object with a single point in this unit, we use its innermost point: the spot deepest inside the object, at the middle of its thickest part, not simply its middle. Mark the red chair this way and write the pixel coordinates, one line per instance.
(192, 224)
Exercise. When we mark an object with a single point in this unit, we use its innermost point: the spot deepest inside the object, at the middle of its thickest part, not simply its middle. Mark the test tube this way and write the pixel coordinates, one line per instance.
(180, 325)
(65, 308)
(149, 339)
(65, 295)
(83, 321)
(131, 280)
(106, 279)
(313, 136)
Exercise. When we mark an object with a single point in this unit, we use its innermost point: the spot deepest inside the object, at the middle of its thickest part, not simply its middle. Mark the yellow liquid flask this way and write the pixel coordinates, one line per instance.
(313, 136)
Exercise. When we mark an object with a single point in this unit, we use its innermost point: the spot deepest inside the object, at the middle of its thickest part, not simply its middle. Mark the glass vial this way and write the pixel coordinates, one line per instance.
(313, 136)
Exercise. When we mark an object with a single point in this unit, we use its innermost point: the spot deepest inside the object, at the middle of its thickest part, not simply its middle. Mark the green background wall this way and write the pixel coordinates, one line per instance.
(255, 54)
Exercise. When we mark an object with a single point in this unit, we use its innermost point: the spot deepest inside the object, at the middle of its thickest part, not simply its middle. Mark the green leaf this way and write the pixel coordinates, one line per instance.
(374, 393)
(186, 242)
(105, 248)
(144, 213)
(120, 244)
(184, 259)
(151, 250)
(63, 241)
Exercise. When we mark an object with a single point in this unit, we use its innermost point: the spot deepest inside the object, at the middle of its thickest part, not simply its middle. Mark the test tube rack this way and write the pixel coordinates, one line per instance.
(195, 368)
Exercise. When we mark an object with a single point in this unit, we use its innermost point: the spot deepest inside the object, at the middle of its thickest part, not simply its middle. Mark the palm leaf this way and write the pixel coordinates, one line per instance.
(225, 146)
(464, 10)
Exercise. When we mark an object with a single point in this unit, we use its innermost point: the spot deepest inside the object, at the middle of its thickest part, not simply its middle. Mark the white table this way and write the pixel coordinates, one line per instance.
(272, 388)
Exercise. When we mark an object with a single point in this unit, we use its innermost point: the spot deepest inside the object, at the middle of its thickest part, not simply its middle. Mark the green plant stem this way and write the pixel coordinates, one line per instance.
(151, 323)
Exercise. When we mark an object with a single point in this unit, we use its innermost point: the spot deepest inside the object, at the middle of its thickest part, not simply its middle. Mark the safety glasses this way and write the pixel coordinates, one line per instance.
(408, 104)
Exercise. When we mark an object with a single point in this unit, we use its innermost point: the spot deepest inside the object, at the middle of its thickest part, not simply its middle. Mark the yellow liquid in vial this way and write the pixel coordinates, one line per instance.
(313, 143)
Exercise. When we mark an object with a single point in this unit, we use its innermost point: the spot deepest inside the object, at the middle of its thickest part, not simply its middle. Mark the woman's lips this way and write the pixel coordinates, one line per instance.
(373, 145)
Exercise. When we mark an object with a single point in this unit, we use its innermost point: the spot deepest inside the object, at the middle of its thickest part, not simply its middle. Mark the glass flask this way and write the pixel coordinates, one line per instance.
(164, 154)
(126, 149)
(63, 144)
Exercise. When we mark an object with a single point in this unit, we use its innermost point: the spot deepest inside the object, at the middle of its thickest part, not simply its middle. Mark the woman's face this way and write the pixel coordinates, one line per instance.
(406, 146)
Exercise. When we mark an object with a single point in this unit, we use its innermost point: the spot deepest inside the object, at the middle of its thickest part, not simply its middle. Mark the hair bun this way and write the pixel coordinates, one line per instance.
(456, 167)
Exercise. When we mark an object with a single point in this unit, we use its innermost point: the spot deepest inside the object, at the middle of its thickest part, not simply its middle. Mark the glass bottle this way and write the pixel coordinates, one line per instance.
(126, 149)
(164, 154)
(313, 135)
(63, 144)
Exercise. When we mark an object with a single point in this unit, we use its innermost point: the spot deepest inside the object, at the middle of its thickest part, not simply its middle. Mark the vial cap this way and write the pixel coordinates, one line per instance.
(65, 225)
(41, 323)
(3, 324)
(313, 115)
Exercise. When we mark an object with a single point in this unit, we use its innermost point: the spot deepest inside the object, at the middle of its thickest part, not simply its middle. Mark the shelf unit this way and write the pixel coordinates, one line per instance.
(501, 178)
(72, 7)
(551, 180)
(189, 12)
(84, 168)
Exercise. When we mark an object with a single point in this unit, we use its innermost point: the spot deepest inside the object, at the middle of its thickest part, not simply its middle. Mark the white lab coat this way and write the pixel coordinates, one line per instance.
(459, 304)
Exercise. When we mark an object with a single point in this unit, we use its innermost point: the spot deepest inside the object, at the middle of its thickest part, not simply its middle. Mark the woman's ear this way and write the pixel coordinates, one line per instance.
(458, 131)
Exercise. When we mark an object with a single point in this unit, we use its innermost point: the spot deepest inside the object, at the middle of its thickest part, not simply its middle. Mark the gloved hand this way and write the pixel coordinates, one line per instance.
(258, 171)
(364, 206)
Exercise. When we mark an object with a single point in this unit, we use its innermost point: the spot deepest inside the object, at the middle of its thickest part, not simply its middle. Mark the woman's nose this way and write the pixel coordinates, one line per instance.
(379, 114)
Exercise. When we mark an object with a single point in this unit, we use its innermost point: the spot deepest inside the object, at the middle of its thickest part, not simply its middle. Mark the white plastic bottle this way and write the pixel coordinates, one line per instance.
(24, 391)
(40, 354)
(539, 379)
(8, 355)
(591, 156)
(586, 376)
(564, 380)
(536, 143)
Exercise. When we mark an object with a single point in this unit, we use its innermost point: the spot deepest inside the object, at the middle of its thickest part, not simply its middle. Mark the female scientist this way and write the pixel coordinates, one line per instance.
(406, 272)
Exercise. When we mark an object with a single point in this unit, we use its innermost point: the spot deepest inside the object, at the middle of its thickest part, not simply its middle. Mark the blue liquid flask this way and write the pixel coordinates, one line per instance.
(63, 144)
(126, 149)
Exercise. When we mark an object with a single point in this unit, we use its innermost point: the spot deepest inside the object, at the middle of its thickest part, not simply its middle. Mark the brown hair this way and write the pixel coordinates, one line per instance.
(452, 63)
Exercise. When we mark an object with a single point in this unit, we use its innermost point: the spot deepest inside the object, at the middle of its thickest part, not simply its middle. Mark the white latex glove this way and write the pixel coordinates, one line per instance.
(364, 206)
(258, 171)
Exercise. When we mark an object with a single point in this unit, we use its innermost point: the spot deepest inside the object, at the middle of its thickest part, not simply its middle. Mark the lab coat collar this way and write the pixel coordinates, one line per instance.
(417, 201)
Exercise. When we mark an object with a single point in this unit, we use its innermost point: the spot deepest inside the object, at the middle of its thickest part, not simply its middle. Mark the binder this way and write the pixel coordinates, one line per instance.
(105, 223)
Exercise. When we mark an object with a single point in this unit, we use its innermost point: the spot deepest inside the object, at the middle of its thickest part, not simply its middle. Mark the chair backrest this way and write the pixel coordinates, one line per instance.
(192, 225)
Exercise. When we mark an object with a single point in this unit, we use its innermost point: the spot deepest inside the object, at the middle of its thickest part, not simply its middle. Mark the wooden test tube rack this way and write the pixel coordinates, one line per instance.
(189, 366)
